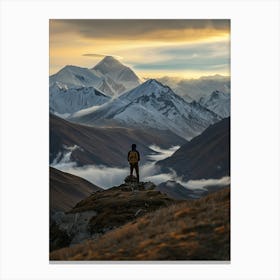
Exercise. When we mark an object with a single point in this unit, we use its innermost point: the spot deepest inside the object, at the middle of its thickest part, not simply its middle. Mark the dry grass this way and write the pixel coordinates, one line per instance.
(117, 206)
(191, 230)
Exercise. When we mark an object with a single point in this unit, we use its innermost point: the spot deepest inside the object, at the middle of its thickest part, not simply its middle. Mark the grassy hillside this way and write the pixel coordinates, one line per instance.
(189, 230)
(67, 189)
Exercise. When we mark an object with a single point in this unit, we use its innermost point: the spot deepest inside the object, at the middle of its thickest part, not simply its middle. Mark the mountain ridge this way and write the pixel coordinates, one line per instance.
(206, 156)
(218, 102)
(67, 189)
(94, 144)
(102, 79)
(153, 105)
(65, 100)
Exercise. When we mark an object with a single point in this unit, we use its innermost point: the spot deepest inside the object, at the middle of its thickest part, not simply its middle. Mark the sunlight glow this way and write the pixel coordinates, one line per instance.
(152, 51)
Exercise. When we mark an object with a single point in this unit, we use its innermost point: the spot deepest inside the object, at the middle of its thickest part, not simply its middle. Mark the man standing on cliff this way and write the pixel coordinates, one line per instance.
(133, 158)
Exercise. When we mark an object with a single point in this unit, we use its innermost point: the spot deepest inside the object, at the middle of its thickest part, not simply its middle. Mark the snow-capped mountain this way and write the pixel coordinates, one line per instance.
(118, 73)
(76, 88)
(218, 102)
(74, 76)
(110, 87)
(154, 105)
(66, 101)
(194, 89)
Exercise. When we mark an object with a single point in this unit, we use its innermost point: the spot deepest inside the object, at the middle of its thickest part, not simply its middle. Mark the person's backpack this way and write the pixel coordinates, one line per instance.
(133, 157)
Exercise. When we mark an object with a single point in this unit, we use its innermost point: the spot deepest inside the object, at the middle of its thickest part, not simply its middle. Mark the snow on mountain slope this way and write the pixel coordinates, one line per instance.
(154, 105)
(218, 102)
(74, 76)
(75, 88)
(109, 85)
(64, 100)
(194, 89)
(119, 73)
(109, 76)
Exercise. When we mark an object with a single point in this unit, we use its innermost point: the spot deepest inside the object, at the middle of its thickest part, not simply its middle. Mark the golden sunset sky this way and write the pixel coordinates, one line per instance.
(152, 48)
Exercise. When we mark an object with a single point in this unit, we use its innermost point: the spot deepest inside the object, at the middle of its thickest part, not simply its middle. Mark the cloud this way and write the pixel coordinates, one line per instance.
(152, 47)
(194, 89)
(107, 177)
(199, 56)
(96, 55)
(161, 153)
(203, 183)
(86, 111)
(101, 176)
(93, 55)
(63, 159)
(154, 29)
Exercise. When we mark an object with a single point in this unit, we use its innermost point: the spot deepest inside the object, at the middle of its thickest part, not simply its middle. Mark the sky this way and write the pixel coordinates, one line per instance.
(152, 48)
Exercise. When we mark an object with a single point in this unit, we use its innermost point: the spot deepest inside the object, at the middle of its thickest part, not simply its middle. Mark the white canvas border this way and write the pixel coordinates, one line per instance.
(255, 138)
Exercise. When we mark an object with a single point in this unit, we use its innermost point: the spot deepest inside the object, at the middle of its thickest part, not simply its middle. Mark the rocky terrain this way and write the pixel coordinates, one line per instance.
(135, 221)
(105, 210)
(163, 230)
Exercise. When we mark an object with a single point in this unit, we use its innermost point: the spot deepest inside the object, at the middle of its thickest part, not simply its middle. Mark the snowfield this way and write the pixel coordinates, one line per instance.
(154, 105)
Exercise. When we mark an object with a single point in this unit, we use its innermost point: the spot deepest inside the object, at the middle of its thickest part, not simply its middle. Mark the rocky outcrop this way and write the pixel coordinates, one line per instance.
(105, 210)
(132, 184)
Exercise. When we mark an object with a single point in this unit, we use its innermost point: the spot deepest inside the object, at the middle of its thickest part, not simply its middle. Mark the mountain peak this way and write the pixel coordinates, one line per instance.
(154, 82)
(71, 67)
(109, 58)
(118, 72)
(150, 81)
(149, 87)
(108, 61)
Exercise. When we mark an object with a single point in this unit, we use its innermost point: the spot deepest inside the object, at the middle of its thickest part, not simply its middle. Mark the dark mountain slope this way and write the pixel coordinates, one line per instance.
(66, 190)
(205, 156)
(176, 191)
(104, 145)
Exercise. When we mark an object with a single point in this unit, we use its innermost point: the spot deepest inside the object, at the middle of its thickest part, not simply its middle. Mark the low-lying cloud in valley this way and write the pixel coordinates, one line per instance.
(107, 177)
(203, 183)
(162, 153)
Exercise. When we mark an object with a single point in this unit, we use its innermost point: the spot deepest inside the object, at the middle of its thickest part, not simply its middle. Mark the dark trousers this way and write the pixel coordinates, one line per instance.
(136, 167)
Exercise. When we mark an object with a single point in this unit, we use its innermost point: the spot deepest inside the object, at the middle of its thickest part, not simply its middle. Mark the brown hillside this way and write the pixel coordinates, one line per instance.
(67, 189)
(190, 230)
(206, 156)
(105, 145)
